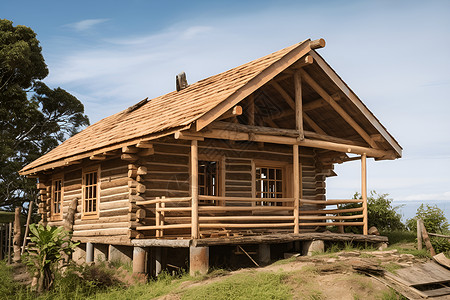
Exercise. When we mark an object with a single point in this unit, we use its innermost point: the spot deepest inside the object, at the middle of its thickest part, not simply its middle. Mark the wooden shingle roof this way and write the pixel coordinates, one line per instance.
(174, 110)
(199, 103)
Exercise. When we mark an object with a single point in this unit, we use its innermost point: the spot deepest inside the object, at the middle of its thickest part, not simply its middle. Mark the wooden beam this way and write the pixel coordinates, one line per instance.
(304, 61)
(144, 144)
(241, 136)
(194, 190)
(255, 83)
(129, 157)
(311, 82)
(98, 157)
(234, 112)
(279, 131)
(356, 101)
(251, 110)
(284, 94)
(296, 183)
(130, 149)
(313, 124)
(182, 135)
(298, 105)
(146, 152)
(364, 191)
(317, 44)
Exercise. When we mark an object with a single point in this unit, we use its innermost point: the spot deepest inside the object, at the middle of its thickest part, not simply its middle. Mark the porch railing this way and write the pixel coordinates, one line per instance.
(173, 216)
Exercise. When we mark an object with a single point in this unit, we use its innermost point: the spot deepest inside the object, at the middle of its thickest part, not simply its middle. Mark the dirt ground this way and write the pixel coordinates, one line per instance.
(340, 276)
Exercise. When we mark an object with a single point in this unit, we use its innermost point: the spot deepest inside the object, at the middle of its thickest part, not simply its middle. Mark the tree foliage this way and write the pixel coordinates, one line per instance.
(33, 117)
(433, 218)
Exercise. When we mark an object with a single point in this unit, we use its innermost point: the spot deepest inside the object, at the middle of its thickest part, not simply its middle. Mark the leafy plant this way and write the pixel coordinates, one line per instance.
(440, 244)
(380, 212)
(433, 218)
(50, 245)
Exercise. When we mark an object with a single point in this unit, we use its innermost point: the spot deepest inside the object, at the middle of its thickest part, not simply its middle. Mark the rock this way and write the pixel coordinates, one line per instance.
(373, 231)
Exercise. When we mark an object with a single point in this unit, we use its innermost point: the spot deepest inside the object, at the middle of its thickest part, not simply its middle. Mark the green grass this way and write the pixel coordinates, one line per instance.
(396, 237)
(248, 285)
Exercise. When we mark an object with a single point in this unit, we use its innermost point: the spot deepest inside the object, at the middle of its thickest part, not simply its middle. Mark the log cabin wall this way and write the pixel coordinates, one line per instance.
(168, 176)
(113, 221)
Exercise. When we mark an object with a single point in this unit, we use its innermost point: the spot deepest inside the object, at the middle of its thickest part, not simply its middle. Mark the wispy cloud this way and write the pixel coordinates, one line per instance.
(194, 31)
(426, 197)
(85, 25)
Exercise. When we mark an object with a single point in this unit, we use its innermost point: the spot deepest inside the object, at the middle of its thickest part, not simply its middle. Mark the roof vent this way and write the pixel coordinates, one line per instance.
(181, 81)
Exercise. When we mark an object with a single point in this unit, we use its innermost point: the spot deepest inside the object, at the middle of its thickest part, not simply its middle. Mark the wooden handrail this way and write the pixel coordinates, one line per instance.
(331, 211)
(244, 199)
(247, 218)
(332, 224)
(331, 217)
(163, 200)
(330, 202)
(244, 208)
(254, 225)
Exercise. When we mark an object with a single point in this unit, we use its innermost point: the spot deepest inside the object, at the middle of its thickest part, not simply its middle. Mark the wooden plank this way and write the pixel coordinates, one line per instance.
(442, 260)
(254, 83)
(352, 217)
(426, 239)
(330, 201)
(161, 243)
(313, 84)
(290, 237)
(332, 224)
(356, 101)
(246, 225)
(247, 218)
(245, 208)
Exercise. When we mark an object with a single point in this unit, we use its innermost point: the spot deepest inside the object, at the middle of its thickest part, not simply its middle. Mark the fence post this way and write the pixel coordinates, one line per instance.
(419, 235)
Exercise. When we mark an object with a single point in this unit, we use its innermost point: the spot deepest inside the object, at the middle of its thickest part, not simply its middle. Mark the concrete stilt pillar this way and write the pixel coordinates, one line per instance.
(309, 247)
(139, 259)
(198, 260)
(158, 261)
(264, 254)
(89, 252)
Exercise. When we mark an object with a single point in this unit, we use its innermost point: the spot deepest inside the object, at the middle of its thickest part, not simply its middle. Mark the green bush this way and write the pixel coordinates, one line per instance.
(50, 245)
(440, 244)
(433, 218)
(380, 213)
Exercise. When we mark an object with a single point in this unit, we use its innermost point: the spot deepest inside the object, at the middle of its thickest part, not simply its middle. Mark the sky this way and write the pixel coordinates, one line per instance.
(395, 55)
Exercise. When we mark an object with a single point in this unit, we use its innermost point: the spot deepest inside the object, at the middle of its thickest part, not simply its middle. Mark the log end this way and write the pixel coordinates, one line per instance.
(317, 44)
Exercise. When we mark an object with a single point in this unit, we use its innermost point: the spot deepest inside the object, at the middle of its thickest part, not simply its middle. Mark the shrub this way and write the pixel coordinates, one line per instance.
(380, 213)
(50, 245)
(433, 218)
(440, 244)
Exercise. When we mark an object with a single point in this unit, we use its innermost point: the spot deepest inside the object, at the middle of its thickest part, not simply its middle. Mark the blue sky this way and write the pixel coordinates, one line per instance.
(394, 54)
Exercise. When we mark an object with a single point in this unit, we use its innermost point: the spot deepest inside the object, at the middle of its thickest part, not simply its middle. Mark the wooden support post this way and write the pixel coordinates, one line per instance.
(9, 242)
(158, 260)
(30, 209)
(139, 258)
(89, 252)
(17, 234)
(263, 254)
(157, 218)
(364, 191)
(419, 235)
(298, 105)
(198, 260)
(251, 110)
(296, 178)
(194, 189)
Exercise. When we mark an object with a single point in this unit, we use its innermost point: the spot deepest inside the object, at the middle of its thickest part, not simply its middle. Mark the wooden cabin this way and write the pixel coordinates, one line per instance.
(238, 158)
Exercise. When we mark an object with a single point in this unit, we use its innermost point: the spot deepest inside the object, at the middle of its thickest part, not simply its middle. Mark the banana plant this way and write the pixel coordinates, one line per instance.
(51, 245)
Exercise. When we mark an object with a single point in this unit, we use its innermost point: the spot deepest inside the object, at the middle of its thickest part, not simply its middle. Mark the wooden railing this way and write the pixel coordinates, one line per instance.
(333, 217)
(161, 215)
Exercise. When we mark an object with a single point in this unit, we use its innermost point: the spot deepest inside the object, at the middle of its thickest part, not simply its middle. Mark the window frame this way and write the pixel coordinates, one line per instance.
(259, 164)
(53, 215)
(220, 173)
(92, 214)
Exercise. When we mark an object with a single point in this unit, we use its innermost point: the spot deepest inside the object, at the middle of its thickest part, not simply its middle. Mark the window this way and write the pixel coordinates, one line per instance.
(90, 193)
(208, 179)
(269, 184)
(56, 199)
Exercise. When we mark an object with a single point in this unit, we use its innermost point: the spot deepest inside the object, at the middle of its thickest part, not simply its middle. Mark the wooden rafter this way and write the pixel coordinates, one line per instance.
(312, 83)
(255, 83)
(298, 104)
(313, 124)
(355, 100)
